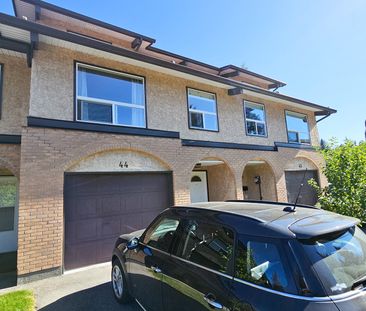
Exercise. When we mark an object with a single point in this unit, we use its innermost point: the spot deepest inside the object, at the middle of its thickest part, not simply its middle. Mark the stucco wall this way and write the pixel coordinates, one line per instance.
(15, 94)
(53, 86)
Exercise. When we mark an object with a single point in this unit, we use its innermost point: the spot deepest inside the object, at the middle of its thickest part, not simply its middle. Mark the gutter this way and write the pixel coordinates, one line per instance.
(238, 87)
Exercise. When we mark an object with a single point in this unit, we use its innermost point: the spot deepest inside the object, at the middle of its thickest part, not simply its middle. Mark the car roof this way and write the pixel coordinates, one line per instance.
(305, 223)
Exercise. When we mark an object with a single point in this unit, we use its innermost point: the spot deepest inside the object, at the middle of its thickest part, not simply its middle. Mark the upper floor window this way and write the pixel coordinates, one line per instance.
(106, 96)
(202, 110)
(297, 128)
(255, 119)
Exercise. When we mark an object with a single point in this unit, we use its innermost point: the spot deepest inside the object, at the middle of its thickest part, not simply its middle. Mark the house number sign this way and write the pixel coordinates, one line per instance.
(123, 164)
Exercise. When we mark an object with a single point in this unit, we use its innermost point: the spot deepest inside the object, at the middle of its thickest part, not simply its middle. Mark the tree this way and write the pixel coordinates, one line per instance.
(345, 170)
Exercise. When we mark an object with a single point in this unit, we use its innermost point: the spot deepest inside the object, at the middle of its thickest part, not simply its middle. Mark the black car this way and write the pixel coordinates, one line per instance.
(243, 256)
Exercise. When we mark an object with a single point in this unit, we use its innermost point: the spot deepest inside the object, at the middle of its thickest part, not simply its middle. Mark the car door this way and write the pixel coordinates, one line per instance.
(147, 263)
(263, 280)
(198, 273)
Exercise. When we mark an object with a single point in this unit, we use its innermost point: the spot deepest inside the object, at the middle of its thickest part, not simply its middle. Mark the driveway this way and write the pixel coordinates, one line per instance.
(87, 289)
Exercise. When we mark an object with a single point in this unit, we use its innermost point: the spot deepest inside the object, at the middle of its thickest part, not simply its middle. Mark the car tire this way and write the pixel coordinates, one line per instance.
(119, 284)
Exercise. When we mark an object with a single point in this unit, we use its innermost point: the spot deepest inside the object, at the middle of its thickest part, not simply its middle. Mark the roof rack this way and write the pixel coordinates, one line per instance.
(273, 202)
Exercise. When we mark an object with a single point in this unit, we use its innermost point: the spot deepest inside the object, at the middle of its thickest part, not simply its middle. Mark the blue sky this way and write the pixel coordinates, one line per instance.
(317, 47)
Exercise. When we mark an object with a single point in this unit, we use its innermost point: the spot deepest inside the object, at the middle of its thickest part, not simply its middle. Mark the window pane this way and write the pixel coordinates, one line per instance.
(261, 128)
(293, 137)
(297, 123)
(6, 219)
(103, 85)
(251, 129)
(208, 245)
(260, 263)
(254, 112)
(202, 101)
(196, 119)
(210, 122)
(161, 235)
(95, 112)
(130, 116)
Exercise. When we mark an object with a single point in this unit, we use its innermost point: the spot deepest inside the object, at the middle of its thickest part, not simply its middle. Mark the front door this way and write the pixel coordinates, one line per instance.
(198, 187)
(8, 214)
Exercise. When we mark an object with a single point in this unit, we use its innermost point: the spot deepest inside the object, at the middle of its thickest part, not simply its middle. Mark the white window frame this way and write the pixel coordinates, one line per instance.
(299, 115)
(246, 102)
(202, 112)
(112, 103)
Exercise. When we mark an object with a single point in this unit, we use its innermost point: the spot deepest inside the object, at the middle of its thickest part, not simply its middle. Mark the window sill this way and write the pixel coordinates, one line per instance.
(95, 127)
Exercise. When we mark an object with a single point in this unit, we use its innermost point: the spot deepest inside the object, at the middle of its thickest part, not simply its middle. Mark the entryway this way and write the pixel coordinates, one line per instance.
(259, 181)
(212, 180)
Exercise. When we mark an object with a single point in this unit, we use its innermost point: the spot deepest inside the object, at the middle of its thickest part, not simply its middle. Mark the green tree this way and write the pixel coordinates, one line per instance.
(345, 170)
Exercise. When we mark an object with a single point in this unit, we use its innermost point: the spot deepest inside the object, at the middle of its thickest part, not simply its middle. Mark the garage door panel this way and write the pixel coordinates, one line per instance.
(132, 203)
(99, 208)
(293, 181)
(110, 205)
(109, 227)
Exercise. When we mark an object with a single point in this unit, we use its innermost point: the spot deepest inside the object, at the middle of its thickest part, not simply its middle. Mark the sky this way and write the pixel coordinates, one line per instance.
(318, 47)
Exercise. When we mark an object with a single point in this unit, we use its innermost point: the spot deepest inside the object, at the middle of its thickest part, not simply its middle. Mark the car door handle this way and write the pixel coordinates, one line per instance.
(156, 269)
(211, 300)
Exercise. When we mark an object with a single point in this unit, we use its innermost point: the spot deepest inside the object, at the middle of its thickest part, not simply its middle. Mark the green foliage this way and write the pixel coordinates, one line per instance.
(345, 170)
(17, 301)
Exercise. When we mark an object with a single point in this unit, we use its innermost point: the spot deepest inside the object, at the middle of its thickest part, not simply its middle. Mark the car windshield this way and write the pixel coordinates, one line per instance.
(339, 259)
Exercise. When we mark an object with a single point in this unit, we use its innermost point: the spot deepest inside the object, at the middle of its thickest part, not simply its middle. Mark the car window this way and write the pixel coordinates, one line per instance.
(208, 245)
(339, 259)
(260, 263)
(161, 234)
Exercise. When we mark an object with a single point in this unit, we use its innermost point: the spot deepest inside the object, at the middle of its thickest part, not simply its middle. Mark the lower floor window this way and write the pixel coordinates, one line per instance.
(8, 192)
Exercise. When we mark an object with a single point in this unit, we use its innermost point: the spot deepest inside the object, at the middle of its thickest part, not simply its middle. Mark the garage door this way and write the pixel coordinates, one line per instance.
(100, 207)
(293, 182)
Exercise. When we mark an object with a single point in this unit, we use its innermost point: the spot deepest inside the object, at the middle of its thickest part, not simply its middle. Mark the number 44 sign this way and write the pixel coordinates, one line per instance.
(123, 164)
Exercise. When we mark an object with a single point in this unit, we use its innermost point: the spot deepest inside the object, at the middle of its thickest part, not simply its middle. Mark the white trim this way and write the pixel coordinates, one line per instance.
(203, 112)
(298, 115)
(140, 305)
(112, 103)
(264, 122)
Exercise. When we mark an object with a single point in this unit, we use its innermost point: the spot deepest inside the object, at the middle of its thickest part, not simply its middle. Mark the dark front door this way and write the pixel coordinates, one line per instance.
(100, 207)
(293, 182)
(197, 276)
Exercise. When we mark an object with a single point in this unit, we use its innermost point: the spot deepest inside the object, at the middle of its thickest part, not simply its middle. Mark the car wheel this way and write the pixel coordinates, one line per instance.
(119, 284)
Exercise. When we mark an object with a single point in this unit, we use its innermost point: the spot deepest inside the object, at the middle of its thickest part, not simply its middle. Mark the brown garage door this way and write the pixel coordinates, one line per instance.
(293, 182)
(100, 207)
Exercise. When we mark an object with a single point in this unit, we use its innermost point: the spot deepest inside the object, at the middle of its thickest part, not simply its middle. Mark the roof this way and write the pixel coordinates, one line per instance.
(230, 77)
(305, 223)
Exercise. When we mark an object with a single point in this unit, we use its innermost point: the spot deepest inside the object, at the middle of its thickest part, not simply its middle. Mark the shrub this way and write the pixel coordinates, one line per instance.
(345, 170)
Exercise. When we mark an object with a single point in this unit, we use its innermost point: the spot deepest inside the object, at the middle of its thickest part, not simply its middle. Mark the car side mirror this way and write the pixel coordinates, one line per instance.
(133, 243)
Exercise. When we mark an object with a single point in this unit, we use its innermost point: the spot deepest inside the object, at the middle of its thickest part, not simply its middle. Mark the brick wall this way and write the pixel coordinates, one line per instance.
(15, 94)
(166, 99)
(46, 154)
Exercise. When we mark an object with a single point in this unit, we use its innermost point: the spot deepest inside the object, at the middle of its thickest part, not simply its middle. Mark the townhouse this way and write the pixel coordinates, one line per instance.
(100, 131)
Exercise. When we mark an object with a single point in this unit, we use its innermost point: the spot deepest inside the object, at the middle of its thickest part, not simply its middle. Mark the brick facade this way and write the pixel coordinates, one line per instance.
(46, 154)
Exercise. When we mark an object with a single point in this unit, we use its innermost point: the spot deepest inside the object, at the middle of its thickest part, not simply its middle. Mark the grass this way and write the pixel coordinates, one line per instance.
(22, 300)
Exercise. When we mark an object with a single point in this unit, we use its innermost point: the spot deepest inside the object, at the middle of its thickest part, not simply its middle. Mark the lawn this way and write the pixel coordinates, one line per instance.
(22, 300)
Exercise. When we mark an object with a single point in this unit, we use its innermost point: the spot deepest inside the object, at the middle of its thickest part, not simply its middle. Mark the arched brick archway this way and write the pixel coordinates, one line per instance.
(213, 176)
(259, 182)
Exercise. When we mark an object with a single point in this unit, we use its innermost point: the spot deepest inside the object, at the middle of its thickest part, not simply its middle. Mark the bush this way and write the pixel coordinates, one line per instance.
(345, 170)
